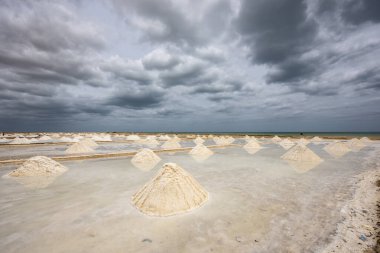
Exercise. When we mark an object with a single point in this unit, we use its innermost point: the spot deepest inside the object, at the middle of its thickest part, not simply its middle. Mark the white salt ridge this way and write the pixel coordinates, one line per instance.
(78, 147)
(301, 153)
(106, 137)
(18, 140)
(172, 191)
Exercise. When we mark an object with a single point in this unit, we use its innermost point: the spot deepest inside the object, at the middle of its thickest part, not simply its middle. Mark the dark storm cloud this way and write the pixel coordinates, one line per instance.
(187, 75)
(160, 63)
(278, 33)
(137, 100)
(217, 87)
(359, 11)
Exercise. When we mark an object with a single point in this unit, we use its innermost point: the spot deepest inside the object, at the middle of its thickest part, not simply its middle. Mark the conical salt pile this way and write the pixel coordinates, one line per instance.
(201, 150)
(246, 137)
(38, 166)
(276, 139)
(133, 137)
(151, 143)
(303, 141)
(252, 147)
(286, 143)
(337, 149)
(89, 142)
(44, 138)
(151, 137)
(301, 153)
(145, 159)
(172, 191)
(79, 147)
(316, 139)
(365, 140)
(18, 140)
(230, 140)
(163, 138)
(37, 172)
(355, 144)
(171, 144)
(198, 140)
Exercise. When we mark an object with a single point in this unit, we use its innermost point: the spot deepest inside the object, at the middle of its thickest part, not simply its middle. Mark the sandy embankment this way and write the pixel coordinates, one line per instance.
(359, 230)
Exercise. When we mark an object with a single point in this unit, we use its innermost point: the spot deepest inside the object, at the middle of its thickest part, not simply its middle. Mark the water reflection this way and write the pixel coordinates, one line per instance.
(34, 182)
(302, 167)
(145, 165)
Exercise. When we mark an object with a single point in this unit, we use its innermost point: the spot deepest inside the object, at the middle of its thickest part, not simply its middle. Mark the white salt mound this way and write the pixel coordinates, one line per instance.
(198, 140)
(286, 143)
(38, 166)
(172, 191)
(301, 153)
(337, 149)
(201, 150)
(89, 142)
(252, 144)
(171, 144)
(316, 139)
(276, 139)
(356, 144)
(133, 137)
(303, 141)
(45, 138)
(145, 159)
(18, 140)
(78, 147)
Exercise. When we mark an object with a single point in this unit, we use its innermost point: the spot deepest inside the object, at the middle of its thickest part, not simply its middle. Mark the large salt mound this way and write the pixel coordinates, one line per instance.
(276, 139)
(301, 153)
(252, 144)
(201, 150)
(355, 144)
(172, 191)
(38, 166)
(37, 172)
(89, 142)
(133, 137)
(18, 140)
(199, 140)
(145, 159)
(171, 144)
(303, 141)
(79, 148)
(337, 149)
(286, 143)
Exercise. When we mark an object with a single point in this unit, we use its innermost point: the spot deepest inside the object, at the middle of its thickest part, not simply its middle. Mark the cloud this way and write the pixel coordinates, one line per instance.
(137, 99)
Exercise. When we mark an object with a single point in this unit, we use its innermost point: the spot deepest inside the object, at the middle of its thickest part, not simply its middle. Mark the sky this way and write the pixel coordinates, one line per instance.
(190, 65)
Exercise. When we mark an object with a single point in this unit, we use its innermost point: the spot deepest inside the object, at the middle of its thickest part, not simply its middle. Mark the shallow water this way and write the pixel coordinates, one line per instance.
(258, 203)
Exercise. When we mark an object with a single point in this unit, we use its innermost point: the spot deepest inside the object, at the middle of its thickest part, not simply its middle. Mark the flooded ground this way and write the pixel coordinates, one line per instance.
(258, 203)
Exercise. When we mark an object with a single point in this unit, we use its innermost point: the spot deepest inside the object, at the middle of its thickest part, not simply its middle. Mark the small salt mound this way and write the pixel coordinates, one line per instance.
(171, 144)
(286, 143)
(37, 172)
(221, 140)
(247, 137)
(151, 137)
(102, 138)
(44, 138)
(365, 139)
(355, 144)
(145, 159)
(337, 149)
(252, 144)
(79, 148)
(18, 140)
(3, 140)
(276, 139)
(68, 139)
(316, 139)
(230, 140)
(301, 153)
(172, 191)
(201, 149)
(89, 142)
(38, 166)
(163, 138)
(198, 140)
(133, 137)
(303, 141)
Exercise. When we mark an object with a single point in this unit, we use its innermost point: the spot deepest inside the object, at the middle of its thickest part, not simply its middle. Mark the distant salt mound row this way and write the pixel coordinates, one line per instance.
(78, 148)
(152, 143)
(176, 138)
(18, 140)
(222, 140)
(45, 138)
(37, 172)
(133, 137)
(89, 142)
(171, 144)
(172, 191)
(3, 140)
(68, 139)
(199, 140)
(151, 137)
(355, 144)
(286, 144)
(337, 149)
(145, 159)
(301, 153)
(276, 139)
